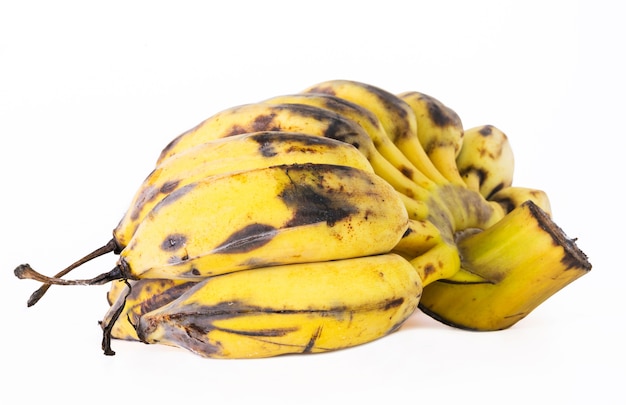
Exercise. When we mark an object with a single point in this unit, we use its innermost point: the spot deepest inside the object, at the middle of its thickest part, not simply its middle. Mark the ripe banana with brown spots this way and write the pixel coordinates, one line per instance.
(274, 215)
(300, 308)
(235, 153)
(485, 160)
(440, 132)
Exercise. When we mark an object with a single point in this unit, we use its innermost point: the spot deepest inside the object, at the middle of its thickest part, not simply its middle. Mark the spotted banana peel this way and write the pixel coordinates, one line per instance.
(322, 219)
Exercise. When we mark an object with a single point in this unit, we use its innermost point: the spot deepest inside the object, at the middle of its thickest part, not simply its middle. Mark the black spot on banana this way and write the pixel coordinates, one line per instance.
(249, 238)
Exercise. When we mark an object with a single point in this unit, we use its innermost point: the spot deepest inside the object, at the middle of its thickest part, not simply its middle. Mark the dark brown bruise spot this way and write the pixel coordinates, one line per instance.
(169, 186)
(429, 269)
(263, 122)
(312, 203)
(390, 304)
(439, 114)
(266, 147)
(173, 242)
(236, 130)
(407, 232)
(249, 238)
(322, 90)
(486, 130)
(407, 172)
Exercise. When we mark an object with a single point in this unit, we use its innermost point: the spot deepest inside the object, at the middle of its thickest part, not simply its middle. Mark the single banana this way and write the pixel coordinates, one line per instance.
(486, 160)
(234, 153)
(299, 308)
(525, 258)
(395, 115)
(275, 215)
(440, 132)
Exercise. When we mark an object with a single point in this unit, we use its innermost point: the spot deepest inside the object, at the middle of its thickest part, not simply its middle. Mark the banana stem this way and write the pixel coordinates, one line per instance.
(24, 271)
(107, 328)
(110, 246)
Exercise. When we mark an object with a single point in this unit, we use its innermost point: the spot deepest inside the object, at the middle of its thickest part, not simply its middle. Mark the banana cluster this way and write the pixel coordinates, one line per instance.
(323, 219)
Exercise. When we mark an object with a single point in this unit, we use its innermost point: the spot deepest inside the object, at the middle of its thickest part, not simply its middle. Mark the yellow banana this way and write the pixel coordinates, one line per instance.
(440, 132)
(486, 160)
(275, 215)
(525, 258)
(395, 115)
(300, 308)
(235, 153)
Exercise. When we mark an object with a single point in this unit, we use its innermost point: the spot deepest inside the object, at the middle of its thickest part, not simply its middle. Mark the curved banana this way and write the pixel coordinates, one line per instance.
(486, 160)
(275, 215)
(350, 212)
(395, 115)
(300, 308)
(235, 153)
(440, 132)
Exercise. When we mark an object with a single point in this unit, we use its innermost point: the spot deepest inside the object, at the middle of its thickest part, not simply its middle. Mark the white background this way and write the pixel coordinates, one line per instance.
(91, 91)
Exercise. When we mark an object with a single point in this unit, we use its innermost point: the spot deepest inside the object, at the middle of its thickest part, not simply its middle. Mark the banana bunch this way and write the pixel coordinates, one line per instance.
(323, 219)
